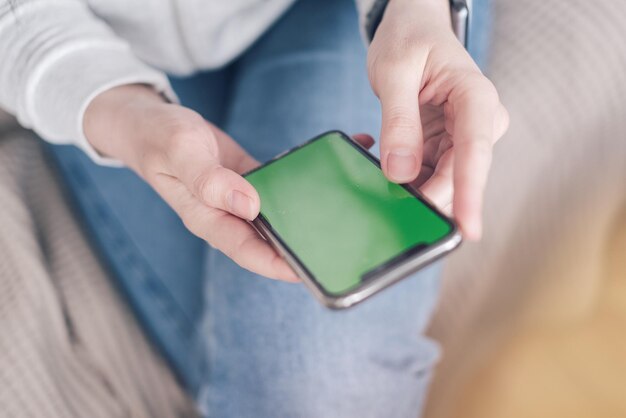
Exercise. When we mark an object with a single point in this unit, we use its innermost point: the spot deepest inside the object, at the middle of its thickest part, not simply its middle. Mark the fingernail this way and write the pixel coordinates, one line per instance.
(401, 164)
(240, 204)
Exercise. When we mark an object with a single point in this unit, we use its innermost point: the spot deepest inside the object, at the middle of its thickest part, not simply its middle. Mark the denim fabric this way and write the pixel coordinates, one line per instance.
(246, 346)
(481, 21)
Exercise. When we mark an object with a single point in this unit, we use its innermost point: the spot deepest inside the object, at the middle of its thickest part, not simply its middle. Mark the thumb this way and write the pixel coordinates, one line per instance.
(200, 168)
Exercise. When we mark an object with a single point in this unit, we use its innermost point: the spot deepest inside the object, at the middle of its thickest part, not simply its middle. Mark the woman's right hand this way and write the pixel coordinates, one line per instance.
(192, 164)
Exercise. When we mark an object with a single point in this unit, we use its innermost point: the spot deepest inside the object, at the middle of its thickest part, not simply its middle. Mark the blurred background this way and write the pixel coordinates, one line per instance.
(533, 319)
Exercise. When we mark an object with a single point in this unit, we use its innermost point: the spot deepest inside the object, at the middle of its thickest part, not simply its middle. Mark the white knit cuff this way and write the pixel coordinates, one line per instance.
(65, 82)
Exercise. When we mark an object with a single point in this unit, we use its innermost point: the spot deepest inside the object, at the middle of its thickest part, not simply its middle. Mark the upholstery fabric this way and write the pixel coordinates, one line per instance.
(556, 188)
(69, 346)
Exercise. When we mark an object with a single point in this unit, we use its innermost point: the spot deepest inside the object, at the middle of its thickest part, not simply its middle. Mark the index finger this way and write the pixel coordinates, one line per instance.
(474, 110)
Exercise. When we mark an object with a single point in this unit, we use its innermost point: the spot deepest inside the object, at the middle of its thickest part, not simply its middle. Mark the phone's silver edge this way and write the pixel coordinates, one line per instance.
(293, 263)
(461, 22)
(345, 301)
(401, 271)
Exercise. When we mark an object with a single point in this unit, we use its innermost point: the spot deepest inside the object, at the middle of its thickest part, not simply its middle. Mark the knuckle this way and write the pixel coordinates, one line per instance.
(149, 163)
(184, 127)
(200, 186)
(479, 146)
(407, 54)
(401, 119)
(185, 139)
(207, 186)
(475, 85)
(185, 135)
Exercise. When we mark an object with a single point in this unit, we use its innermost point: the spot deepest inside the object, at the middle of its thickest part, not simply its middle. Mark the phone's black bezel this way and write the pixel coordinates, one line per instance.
(378, 270)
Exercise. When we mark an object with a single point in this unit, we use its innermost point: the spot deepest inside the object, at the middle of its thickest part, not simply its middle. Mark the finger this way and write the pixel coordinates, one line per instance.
(425, 173)
(365, 140)
(195, 161)
(240, 242)
(401, 134)
(474, 110)
(502, 122)
(438, 188)
(225, 232)
(434, 148)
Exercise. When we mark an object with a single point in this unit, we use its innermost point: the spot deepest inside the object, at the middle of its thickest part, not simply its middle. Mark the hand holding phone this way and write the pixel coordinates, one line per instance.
(192, 164)
(346, 230)
(440, 115)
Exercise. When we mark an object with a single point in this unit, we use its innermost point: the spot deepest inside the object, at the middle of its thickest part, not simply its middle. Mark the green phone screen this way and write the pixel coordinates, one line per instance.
(338, 214)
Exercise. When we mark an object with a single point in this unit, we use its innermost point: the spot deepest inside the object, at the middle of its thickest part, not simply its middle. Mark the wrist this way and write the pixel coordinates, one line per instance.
(112, 119)
(437, 9)
(426, 16)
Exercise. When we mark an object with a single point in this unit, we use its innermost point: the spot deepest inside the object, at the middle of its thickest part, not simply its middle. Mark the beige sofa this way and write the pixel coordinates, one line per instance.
(557, 189)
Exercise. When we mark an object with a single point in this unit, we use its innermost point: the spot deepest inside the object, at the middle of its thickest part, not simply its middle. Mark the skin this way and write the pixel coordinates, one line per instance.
(440, 120)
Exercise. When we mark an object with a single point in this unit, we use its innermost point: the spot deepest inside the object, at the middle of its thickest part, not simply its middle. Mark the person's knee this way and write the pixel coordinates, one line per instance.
(279, 348)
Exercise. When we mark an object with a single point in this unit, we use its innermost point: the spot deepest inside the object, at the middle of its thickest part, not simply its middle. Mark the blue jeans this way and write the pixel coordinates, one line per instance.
(245, 346)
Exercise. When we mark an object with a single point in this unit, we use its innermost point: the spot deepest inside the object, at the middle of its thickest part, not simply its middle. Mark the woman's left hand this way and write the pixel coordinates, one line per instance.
(441, 115)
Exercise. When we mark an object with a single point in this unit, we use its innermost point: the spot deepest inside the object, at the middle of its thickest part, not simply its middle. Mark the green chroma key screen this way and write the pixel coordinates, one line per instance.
(338, 214)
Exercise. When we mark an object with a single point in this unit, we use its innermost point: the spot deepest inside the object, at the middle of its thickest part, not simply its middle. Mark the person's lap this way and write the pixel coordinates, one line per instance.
(293, 356)
(245, 345)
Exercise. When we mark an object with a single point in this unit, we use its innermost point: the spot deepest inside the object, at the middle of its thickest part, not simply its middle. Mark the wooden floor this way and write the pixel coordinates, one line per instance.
(574, 371)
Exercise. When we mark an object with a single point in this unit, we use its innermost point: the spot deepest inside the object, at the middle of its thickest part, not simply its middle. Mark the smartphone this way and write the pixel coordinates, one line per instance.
(347, 231)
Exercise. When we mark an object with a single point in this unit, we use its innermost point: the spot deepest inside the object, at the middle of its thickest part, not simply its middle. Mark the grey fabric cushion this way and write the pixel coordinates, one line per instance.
(69, 347)
(7, 123)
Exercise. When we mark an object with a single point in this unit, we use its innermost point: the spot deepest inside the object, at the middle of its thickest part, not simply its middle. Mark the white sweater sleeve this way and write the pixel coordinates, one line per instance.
(55, 57)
